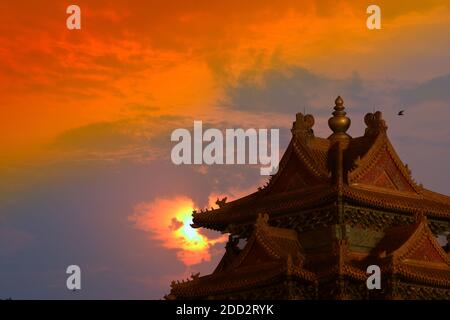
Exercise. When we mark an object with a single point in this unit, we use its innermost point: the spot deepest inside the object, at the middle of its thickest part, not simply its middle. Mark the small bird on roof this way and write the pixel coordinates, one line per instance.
(401, 113)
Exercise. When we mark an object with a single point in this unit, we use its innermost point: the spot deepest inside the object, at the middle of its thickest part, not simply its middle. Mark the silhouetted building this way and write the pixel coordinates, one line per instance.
(336, 206)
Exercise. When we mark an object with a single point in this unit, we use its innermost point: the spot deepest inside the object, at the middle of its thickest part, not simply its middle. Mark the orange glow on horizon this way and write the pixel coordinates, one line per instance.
(169, 222)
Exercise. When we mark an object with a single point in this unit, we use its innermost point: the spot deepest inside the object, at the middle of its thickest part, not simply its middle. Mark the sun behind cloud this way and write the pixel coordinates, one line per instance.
(168, 220)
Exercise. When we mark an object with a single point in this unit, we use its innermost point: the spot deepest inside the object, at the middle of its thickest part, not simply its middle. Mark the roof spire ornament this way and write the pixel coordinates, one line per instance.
(302, 126)
(339, 123)
(375, 123)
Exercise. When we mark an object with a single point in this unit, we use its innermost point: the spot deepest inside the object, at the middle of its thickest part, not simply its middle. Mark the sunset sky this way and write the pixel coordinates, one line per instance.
(86, 117)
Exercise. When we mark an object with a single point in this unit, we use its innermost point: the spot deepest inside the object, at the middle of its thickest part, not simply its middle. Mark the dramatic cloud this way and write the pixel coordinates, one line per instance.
(436, 89)
(86, 117)
(181, 56)
(294, 89)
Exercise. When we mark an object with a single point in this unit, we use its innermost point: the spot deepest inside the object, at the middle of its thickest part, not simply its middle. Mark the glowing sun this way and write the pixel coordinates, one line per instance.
(169, 221)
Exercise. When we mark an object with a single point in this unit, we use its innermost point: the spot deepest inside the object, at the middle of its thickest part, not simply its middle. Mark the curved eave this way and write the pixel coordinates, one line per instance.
(226, 282)
(247, 212)
(422, 275)
(247, 209)
(398, 201)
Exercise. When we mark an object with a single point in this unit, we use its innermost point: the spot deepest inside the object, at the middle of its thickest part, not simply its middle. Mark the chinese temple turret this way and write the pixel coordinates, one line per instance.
(336, 206)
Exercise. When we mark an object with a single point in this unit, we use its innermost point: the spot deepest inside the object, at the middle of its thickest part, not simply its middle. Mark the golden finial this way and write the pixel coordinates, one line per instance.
(339, 123)
(339, 102)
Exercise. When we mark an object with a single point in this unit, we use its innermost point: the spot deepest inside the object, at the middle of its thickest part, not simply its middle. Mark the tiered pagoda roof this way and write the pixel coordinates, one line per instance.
(412, 252)
(335, 206)
(364, 170)
(274, 254)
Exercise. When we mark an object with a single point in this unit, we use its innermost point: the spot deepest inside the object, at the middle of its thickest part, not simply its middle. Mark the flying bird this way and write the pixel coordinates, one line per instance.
(401, 112)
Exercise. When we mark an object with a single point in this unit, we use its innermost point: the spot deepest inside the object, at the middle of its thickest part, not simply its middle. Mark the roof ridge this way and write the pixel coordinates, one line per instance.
(304, 154)
(366, 163)
(417, 232)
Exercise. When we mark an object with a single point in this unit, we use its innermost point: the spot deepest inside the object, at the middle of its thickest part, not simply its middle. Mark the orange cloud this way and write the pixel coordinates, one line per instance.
(169, 222)
(179, 56)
